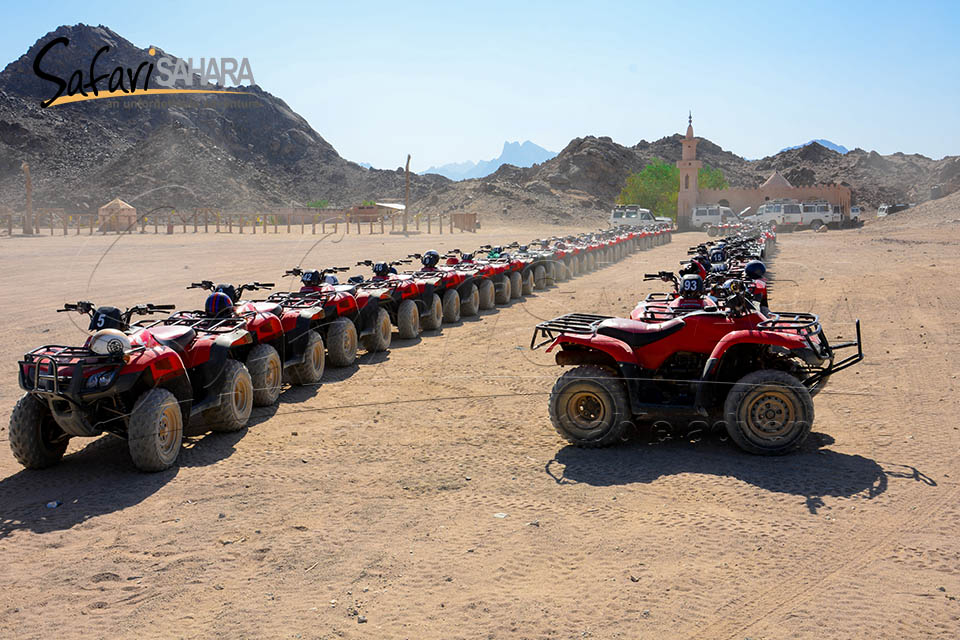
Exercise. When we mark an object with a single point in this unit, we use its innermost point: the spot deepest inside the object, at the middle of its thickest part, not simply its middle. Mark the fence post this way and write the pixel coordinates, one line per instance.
(358, 226)
(91, 225)
(313, 225)
(371, 227)
(303, 222)
(382, 230)
(218, 222)
(323, 226)
(276, 221)
(392, 222)
(66, 224)
(346, 224)
(418, 222)
(440, 218)
(451, 223)
(288, 222)
(194, 221)
(429, 224)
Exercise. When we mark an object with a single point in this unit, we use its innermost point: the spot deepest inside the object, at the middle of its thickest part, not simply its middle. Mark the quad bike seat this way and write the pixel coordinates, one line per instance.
(636, 333)
(177, 338)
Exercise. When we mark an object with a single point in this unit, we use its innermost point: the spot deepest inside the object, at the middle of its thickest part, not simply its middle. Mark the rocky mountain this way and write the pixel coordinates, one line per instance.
(525, 154)
(240, 152)
(833, 146)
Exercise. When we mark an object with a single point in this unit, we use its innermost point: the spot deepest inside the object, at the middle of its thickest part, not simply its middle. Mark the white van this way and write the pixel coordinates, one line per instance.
(705, 215)
(631, 215)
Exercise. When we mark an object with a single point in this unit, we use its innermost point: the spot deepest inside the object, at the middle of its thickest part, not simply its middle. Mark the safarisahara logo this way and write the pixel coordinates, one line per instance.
(164, 72)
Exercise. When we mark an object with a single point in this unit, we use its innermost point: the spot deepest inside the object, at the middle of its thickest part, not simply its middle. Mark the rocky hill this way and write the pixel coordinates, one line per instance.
(589, 173)
(238, 152)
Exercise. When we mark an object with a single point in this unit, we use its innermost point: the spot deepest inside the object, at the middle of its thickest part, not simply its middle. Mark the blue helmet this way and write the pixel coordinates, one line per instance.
(381, 269)
(754, 270)
(218, 305)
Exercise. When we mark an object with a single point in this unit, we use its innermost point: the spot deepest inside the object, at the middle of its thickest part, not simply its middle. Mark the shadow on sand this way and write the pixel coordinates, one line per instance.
(811, 472)
(96, 480)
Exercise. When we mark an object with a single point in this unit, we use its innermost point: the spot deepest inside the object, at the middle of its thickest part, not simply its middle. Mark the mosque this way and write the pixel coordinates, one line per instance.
(776, 187)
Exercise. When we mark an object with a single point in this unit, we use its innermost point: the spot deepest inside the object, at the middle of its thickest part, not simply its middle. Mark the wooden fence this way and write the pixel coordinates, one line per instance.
(49, 222)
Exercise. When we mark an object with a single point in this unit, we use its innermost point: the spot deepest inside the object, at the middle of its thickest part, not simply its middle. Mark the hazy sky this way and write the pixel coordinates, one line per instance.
(450, 81)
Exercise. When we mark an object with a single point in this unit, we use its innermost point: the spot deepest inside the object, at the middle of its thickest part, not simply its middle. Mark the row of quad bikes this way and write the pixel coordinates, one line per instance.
(154, 381)
(708, 354)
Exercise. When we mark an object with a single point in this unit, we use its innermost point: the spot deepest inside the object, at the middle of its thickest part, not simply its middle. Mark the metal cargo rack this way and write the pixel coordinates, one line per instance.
(581, 323)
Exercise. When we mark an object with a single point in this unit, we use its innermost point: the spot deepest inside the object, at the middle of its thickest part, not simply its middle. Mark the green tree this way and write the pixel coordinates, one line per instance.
(710, 178)
(656, 187)
(318, 204)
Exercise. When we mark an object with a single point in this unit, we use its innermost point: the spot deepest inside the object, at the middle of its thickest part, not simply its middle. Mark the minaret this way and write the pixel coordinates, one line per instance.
(689, 166)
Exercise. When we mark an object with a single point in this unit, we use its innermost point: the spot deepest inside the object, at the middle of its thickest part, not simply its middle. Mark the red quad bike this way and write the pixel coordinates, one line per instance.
(272, 350)
(755, 374)
(459, 284)
(411, 304)
(338, 315)
(495, 286)
(140, 383)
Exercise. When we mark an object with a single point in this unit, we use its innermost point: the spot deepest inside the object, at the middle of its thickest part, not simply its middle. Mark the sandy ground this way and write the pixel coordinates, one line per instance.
(367, 507)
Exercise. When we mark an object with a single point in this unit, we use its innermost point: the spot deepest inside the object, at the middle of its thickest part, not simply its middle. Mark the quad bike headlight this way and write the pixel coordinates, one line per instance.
(100, 380)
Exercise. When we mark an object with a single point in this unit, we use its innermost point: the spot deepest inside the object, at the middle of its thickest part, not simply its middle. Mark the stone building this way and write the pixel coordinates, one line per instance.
(775, 187)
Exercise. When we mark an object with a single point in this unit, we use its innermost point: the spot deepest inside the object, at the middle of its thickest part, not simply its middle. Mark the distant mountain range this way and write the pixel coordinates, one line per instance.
(525, 154)
(833, 146)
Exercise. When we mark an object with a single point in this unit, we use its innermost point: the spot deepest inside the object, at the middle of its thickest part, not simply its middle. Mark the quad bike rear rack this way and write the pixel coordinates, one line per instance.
(198, 321)
(300, 300)
(53, 357)
(581, 323)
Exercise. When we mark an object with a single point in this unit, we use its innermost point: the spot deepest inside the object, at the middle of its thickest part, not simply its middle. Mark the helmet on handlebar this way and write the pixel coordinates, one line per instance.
(106, 318)
(691, 286)
(430, 259)
(218, 305)
(754, 270)
(310, 278)
(381, 269)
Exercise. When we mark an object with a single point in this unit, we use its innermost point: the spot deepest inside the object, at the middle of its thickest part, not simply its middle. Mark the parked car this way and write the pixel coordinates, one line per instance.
(631, 215)
(705, 215)
(890, 209)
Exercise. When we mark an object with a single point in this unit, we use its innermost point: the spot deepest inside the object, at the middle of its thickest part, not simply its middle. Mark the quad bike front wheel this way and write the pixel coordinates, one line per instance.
(408, 320)
(342, 342)
(433, 321)
(36, 440)
(516, 284)
(470, 300)
(488, 294)
(379, 338)
(768, 412)
(266, 372)
(503, 289)
(236, 399)
(155, 432)
(311, 369)
(589, 407)
(451, 306)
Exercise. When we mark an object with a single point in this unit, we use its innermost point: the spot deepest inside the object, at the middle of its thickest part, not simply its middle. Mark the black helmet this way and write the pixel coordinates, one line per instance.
(754, 270)
(430, 259)
(106, 318)
(691, 286)
(381, 269)
(228, 289)
(310, 278)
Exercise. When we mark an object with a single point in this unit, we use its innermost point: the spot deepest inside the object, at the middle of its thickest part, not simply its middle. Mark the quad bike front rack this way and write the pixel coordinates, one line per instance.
(579, 323)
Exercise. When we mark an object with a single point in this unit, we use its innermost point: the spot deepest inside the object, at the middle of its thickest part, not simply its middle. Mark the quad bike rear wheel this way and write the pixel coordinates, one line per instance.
(488, 294)
(451, 306)
(408, 320)
(551, 279)
(36, 440)
(503, 289)
(528, 282)
(311, 369)
(589, 406)
(539, 277)
(768, 412)
(433, 321)
(236, 399)
(266, 373)
(379, 338)
(342, 342)
(469, 300)
(516, 284)
(155, 432)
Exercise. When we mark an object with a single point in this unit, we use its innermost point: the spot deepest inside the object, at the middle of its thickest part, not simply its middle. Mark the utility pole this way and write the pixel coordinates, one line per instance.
(28, 214)
(406, 197)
